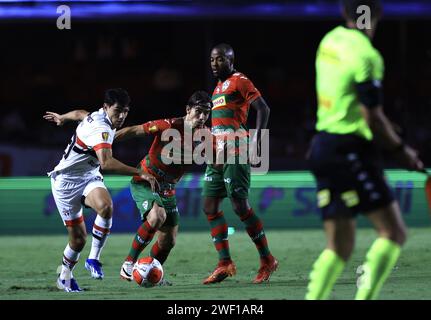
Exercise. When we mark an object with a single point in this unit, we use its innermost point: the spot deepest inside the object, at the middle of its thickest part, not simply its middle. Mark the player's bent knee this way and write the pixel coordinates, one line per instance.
(211, 206)
(240, 206)
(160, 219)
(105, 211)
(207, 211)
(78, 243)
(157, 217)
(161, 216)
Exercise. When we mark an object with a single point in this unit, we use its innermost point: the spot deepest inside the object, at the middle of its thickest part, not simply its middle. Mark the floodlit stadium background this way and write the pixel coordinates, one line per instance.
(159, 52)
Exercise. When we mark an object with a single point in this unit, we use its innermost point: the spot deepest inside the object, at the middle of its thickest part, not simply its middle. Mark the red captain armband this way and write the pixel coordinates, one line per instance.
(102, 146)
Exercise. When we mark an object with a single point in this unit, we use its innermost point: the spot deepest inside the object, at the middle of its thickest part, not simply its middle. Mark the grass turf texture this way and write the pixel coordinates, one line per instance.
(28, 268)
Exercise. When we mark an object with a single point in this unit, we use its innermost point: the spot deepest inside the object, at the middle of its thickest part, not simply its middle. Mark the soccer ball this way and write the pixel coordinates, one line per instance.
(147, 272)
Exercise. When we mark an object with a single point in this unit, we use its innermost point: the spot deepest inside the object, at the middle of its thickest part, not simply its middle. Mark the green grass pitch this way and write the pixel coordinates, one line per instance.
(28, 268)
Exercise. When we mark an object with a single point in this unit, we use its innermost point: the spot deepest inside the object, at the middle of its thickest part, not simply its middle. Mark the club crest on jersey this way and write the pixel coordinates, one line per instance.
(219, 102)
(225, 85)
(105, 136)
(153, 129)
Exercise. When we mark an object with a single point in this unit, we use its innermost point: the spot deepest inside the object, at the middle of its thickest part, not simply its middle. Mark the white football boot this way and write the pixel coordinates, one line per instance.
(126, 270)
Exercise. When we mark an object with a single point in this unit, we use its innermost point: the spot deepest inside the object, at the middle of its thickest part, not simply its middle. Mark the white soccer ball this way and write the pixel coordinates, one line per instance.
(147, 272)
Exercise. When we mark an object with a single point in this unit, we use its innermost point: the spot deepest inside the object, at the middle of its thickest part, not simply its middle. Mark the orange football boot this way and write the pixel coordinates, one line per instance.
(221, 272)
(266, 270)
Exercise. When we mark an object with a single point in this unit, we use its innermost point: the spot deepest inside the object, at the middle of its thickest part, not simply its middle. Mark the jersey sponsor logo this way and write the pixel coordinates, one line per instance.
(153, 129)
(66, 213)
(219, 102)
(140, 240)
(105, 136)
(350, 198)
(325, 102)
(225, 85)
(171, 210)
(323, 198)
(258, 236)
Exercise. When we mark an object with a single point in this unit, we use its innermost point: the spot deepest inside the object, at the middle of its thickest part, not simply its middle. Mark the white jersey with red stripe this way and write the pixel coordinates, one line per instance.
(93, 133)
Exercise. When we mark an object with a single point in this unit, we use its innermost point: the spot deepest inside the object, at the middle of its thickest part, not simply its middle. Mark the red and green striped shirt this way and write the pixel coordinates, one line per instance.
(231, 102)
(153, 162)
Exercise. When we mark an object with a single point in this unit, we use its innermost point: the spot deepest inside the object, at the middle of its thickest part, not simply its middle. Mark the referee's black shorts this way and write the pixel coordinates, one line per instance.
(349, 175)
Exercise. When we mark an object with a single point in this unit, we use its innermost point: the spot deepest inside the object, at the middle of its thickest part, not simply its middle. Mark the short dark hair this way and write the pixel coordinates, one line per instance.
(350, 6)
(226, 49)
(117, 95)
(200, 98)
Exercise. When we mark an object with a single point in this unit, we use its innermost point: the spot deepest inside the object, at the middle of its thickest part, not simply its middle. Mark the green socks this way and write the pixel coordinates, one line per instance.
(380, 260)
(326, 270)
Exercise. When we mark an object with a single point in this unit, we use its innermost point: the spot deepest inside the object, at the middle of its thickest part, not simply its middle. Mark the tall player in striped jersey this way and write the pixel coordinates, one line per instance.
(232, 98)
(77, 181)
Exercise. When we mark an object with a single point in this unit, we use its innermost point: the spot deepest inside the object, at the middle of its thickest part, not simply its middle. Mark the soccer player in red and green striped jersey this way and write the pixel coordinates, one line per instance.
(232, 99)
(159, 211)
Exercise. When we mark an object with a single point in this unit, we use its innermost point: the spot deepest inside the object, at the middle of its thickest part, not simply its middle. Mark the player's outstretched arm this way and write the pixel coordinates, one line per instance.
(109, 163)
(386, 136)
(129, 132)
(60, 119)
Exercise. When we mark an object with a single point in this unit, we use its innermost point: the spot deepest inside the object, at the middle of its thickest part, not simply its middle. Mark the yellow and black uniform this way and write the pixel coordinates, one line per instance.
(343, 157)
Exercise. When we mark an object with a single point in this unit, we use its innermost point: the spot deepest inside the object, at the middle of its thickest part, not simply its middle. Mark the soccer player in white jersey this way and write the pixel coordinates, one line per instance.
(77, 181)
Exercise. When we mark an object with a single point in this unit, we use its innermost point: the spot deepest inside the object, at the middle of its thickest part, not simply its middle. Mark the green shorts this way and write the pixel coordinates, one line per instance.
(145, 198)
(232, 180)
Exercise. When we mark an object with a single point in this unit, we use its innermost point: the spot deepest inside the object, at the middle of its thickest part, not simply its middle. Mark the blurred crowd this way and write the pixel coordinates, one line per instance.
(162, 63)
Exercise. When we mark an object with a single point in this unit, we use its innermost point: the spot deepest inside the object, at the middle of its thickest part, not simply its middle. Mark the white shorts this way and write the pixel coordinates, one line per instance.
(68, 192)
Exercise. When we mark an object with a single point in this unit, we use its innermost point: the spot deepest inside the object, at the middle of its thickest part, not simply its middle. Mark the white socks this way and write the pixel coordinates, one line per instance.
(101, 229)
